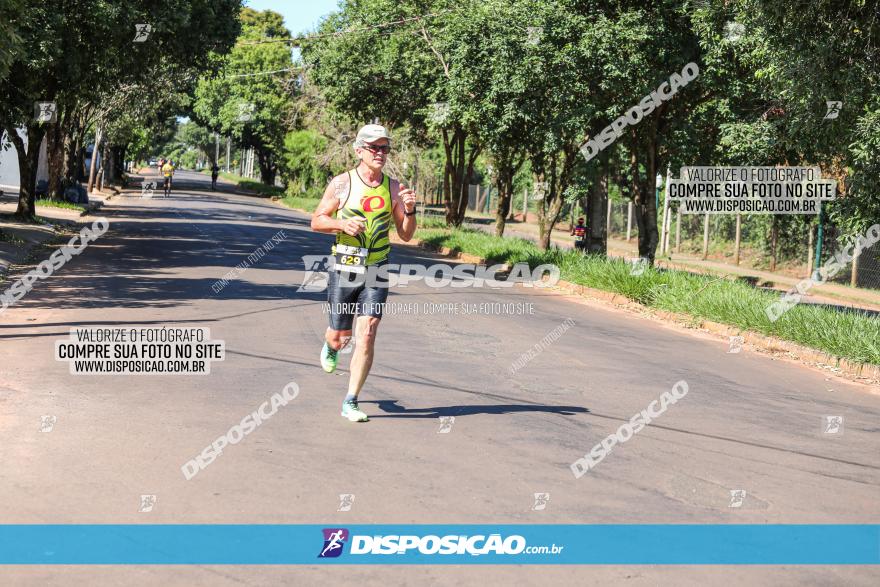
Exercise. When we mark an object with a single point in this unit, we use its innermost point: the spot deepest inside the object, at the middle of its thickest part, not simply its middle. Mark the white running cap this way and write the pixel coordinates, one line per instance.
(371, 133)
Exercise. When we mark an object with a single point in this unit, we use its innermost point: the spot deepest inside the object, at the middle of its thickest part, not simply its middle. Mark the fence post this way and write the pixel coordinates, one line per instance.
(854, 279)
(774, 237)
(738, 235)
(678, 230)
(706, 237)
(668, 231)
(667, 218)
(663, 230)
(820, 235)
(810, 251)
(608, 219)
(629, 220)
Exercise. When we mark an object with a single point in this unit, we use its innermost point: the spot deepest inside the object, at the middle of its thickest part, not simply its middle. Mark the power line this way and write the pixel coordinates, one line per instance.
(297, 41)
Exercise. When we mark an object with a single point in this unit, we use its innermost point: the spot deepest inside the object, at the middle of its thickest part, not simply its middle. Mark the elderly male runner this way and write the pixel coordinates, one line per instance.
(358, 207)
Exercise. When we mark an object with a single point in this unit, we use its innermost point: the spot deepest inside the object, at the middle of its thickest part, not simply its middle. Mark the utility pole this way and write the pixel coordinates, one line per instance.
(228, 146)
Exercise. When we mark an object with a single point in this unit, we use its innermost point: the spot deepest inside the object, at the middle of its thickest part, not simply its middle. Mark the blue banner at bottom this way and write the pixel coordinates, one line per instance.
(221, 544)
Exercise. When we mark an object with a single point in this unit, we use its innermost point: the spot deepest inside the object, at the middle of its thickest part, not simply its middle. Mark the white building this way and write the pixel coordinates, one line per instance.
(9, 178)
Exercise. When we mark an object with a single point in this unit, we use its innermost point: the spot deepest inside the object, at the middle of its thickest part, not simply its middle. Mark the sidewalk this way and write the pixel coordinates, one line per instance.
(828, 293)
(19, 239)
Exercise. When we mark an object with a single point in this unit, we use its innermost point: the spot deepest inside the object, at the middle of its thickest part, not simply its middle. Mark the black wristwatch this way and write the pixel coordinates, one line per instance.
(405, 213)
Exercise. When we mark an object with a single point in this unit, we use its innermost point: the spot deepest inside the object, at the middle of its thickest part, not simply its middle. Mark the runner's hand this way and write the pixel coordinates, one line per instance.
(409, 198)
(353, 226)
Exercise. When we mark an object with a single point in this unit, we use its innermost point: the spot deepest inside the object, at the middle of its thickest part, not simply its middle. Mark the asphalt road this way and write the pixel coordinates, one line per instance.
(748, 422)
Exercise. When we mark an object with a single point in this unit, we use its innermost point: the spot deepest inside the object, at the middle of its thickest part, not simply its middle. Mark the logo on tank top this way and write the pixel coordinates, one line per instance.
(372, 203)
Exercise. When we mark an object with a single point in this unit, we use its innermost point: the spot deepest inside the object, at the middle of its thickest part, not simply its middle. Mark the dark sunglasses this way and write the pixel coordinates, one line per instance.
(378, 148)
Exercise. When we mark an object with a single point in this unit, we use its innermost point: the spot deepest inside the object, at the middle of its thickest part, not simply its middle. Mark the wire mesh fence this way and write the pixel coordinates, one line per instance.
(774, 243)
(782, 244)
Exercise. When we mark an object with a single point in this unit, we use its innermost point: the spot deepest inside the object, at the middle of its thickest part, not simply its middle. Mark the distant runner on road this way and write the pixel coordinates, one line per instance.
(357, 207)
(168, 172)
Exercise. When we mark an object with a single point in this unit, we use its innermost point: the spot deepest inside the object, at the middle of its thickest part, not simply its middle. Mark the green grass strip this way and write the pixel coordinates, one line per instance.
(59, 204)
(852, 335)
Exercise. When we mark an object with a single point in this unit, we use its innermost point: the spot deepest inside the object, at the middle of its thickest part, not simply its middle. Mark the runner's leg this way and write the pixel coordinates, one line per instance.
(342, 297)
(372, 304)
(337, 339)
(362, 357)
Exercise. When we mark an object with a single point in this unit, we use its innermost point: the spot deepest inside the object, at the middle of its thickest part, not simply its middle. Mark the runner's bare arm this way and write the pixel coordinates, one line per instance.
(403, 200)
(322, 219)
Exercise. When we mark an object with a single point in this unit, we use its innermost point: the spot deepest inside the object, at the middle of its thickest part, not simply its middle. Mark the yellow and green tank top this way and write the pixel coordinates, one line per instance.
(373, 204)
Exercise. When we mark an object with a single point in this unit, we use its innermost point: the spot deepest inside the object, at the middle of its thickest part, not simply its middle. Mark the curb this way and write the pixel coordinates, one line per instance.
(852, 370)
(863, 372)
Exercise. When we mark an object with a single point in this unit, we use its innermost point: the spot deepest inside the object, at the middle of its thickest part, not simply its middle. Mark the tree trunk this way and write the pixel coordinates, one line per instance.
(266, 165)
(645, 205)
(106, 164)
(118, 163)
(545, 204)
(550, 206)
(56, 138)
(94, 160)
(505, 195)
(457, 174)
(466, 181)
(71, 157)
(28, 158)
(79, 163)
(597, 206)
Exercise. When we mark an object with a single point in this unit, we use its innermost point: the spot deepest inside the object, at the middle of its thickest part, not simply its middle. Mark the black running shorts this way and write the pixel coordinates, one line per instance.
(348, 297)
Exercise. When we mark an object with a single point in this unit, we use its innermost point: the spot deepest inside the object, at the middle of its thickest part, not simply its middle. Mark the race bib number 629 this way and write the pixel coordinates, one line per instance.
(351, 259)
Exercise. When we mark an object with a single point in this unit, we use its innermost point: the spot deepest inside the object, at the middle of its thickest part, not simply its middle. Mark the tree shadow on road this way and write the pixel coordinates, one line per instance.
(392, 410)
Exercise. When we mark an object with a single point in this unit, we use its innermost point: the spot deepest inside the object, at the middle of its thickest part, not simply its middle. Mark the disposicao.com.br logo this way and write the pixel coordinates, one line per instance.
(430, 544)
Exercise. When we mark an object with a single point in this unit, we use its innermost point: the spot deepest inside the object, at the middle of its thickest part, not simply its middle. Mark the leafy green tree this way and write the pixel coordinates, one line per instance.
(815, 52)
(486, 75)
(9, 39)
(81, 73)
(409, 66)
(202, 140)
(246, 102)
(300, 151)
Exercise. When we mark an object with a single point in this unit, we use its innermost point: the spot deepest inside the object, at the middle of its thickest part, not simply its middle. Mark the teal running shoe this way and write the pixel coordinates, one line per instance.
(351, 411)
(328, 358)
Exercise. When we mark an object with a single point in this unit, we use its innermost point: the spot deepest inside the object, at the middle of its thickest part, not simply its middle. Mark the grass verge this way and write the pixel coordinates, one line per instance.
(249, 184)
(303, 201)
(852, 335)
(59, 204)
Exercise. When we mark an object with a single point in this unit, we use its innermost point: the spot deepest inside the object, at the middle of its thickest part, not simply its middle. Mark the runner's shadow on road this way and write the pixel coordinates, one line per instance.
(392, 410)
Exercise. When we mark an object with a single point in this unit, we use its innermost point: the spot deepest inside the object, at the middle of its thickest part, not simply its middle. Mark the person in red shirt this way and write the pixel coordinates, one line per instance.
(579, 232)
